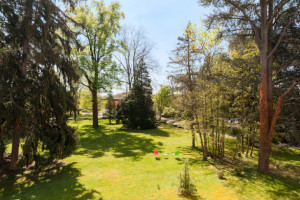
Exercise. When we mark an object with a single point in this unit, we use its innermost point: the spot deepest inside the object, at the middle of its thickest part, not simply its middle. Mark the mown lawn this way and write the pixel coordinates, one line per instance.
(115, 164)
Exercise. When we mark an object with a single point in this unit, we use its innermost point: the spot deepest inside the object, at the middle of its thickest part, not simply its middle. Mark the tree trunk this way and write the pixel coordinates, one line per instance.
(248, 140)
(243, 142)
(15, 143)
(252, 145)
(202, 140)
(247, 151)
(223, 138)
(95, 108)
(23, 69)
(193, 138)
(2, 147)
(265, 105)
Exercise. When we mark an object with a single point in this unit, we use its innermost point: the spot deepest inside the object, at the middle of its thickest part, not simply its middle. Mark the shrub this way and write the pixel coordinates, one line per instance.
(186, 187)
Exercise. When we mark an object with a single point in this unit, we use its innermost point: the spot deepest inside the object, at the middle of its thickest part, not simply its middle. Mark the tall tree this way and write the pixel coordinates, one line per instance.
(261, 19)
(35, 62)
(134, 50)
(184, 60)
(97, 37)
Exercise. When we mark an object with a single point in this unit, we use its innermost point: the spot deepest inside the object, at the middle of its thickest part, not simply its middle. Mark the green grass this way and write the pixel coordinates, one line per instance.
(115, 164)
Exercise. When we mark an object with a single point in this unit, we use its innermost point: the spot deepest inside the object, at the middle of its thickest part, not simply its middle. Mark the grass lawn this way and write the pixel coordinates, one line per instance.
(115, 164)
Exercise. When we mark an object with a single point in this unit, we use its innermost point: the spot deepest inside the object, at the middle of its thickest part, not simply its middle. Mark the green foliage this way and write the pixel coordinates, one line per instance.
(136, 109)
(110, 108)
(97, 37)
(85, 103)
(97, 40)
(37, 77)
(162, 99)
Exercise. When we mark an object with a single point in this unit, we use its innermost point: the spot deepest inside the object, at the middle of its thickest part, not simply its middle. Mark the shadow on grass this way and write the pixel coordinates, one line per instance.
(286, 155)
(121, 143)
(281, 183)
(53, 182)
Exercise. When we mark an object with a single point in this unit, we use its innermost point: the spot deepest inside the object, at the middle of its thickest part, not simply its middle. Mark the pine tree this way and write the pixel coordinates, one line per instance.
(136, 109)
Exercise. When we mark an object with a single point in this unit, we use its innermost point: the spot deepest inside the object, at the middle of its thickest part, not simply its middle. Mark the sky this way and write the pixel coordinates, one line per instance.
(162, 21)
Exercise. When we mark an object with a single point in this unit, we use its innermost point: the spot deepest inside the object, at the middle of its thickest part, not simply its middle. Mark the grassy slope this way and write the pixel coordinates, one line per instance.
(111, 163)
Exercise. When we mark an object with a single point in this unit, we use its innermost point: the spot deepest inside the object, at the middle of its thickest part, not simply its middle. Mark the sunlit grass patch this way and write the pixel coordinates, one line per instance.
(114, 163)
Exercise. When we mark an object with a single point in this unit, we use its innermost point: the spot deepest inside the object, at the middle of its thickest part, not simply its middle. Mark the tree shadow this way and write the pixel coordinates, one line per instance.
(281, 183)
(153, 132)
(95, 143)
(56, 181)
(285, 154)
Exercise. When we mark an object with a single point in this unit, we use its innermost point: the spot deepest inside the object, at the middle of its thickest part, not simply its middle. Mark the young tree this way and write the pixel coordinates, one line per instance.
(36, 77)
(97, 36)
(162, 99)
(263, 21)
(136, 109)
(184, 60)
(110, 107)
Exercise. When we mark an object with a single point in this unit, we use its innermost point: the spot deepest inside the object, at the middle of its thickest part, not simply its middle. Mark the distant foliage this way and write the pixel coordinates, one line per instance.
(135, 111)
(110, 108)
(162, 99)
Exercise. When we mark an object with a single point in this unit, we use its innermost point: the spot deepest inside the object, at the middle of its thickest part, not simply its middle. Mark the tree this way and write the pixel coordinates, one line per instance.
(263, 22)
(134, 50)
(162, 99)
(184, 60)
(195, 58)
(136, 109)
(241, 73)
(97, 37)
(37, 76)
(110, 107)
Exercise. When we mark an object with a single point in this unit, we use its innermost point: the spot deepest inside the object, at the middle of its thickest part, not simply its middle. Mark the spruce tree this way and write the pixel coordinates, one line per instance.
(36, 78)
(136, 109)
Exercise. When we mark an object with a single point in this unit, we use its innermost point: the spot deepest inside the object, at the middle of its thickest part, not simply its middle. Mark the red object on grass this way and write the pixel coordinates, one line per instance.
(156, 152)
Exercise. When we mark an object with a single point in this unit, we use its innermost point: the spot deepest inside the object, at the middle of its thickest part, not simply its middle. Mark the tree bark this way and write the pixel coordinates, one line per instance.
(23, 68)
(193, 138)
(2, 148)
(248, 141)
(252, 145)
(95, 108)
(265, 101)
(15, 142)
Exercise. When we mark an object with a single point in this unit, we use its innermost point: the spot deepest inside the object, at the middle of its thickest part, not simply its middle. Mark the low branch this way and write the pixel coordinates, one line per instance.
(278, 109)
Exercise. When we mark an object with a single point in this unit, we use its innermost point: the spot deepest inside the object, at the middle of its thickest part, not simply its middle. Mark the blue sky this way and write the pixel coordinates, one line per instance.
(162, 21)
